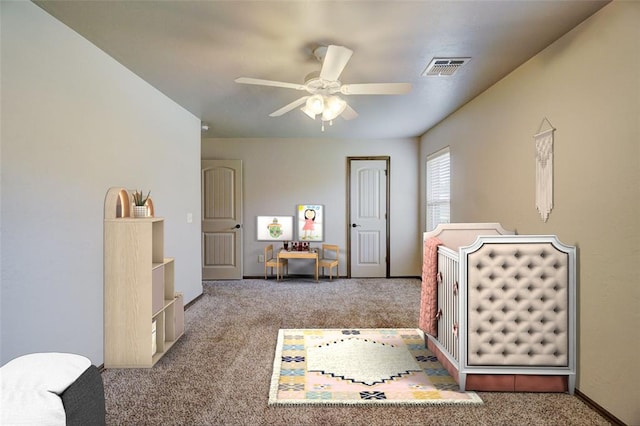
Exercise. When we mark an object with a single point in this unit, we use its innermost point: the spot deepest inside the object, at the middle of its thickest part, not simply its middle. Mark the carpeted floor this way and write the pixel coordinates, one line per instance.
(219, 372)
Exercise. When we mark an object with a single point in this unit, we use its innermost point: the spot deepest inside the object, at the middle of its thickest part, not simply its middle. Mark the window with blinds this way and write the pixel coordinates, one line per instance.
(438, 188)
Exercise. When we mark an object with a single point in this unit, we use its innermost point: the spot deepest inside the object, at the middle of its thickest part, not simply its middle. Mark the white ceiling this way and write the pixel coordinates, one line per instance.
(194, 50)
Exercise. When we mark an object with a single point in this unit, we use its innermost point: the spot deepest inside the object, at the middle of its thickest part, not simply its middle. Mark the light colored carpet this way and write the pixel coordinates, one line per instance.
(360, 366)
(219, 372)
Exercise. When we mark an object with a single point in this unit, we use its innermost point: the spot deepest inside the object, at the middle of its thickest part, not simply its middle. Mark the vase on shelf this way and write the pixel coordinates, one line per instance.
(140, 208)
(139, 211)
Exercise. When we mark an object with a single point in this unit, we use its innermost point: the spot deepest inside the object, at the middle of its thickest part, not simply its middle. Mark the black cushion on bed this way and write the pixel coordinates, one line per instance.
(84, 400)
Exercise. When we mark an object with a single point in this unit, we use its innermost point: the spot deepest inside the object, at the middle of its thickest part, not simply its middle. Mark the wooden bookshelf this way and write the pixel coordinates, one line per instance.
(139, 289)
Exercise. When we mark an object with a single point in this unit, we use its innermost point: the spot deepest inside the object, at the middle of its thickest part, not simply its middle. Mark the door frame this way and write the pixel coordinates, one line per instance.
(387, 159)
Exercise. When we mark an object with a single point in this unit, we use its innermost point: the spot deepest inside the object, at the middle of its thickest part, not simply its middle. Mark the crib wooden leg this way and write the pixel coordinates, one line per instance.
(571, 383)
(462, 380)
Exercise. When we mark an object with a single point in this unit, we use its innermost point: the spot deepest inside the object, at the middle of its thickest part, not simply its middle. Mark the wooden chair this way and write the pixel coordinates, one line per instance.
(330, 257)
(272, 262)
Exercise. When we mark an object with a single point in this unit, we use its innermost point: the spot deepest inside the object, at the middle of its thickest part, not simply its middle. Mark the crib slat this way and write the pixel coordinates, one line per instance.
(448, 300)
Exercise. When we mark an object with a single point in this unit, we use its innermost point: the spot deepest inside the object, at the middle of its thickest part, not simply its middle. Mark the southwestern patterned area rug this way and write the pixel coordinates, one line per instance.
(360, 366)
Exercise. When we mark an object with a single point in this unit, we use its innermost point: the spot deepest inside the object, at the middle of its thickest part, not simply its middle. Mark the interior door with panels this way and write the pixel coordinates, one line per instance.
(221, 219)
(368, 217)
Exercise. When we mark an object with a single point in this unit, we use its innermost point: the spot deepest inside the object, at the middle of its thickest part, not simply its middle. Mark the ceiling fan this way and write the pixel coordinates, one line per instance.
(324, 87)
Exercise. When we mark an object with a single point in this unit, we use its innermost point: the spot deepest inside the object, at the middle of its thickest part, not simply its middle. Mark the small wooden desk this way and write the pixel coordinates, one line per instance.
(284, 254)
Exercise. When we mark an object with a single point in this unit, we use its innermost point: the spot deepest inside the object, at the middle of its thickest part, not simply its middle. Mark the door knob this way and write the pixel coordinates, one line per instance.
(353, 225)
(237, 226)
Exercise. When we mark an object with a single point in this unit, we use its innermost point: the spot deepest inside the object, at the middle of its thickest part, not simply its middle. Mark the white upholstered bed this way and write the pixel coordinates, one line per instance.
(499, 309)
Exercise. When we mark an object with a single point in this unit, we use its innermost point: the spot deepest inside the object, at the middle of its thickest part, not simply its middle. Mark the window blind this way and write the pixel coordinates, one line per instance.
(438, 189)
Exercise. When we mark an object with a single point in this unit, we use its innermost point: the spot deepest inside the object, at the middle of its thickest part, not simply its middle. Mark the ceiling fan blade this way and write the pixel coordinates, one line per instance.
(289, 107)
(334, 62)
(260, 82)
(375, 89)
(349, 113)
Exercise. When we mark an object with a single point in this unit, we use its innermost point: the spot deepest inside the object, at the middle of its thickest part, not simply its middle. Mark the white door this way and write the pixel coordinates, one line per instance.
(368, 218)
(221, 219)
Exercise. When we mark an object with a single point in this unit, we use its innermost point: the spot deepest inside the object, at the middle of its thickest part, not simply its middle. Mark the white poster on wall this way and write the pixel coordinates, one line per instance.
(274, 228)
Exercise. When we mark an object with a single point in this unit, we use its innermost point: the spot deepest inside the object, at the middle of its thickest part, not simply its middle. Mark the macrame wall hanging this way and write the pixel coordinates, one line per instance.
(544, 169)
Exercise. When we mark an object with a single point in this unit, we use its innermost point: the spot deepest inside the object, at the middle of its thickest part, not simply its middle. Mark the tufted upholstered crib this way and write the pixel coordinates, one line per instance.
(498, 310)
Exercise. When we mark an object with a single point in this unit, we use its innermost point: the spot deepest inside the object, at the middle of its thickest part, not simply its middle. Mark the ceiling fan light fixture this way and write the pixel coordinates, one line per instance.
(309, 113)
(315, 104)
(334, 106)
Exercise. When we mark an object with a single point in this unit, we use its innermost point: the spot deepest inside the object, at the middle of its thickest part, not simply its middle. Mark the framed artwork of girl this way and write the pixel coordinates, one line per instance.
(310, 222)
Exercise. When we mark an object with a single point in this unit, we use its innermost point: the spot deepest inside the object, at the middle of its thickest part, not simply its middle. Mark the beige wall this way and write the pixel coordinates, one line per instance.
(74, 123)
(588, 85)
(281, 173)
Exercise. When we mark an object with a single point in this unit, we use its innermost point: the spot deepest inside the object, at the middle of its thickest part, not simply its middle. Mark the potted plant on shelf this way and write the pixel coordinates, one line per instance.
(139, 204)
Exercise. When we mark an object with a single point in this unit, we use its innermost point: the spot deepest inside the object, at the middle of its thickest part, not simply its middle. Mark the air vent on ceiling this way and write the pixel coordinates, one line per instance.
(444, 66)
